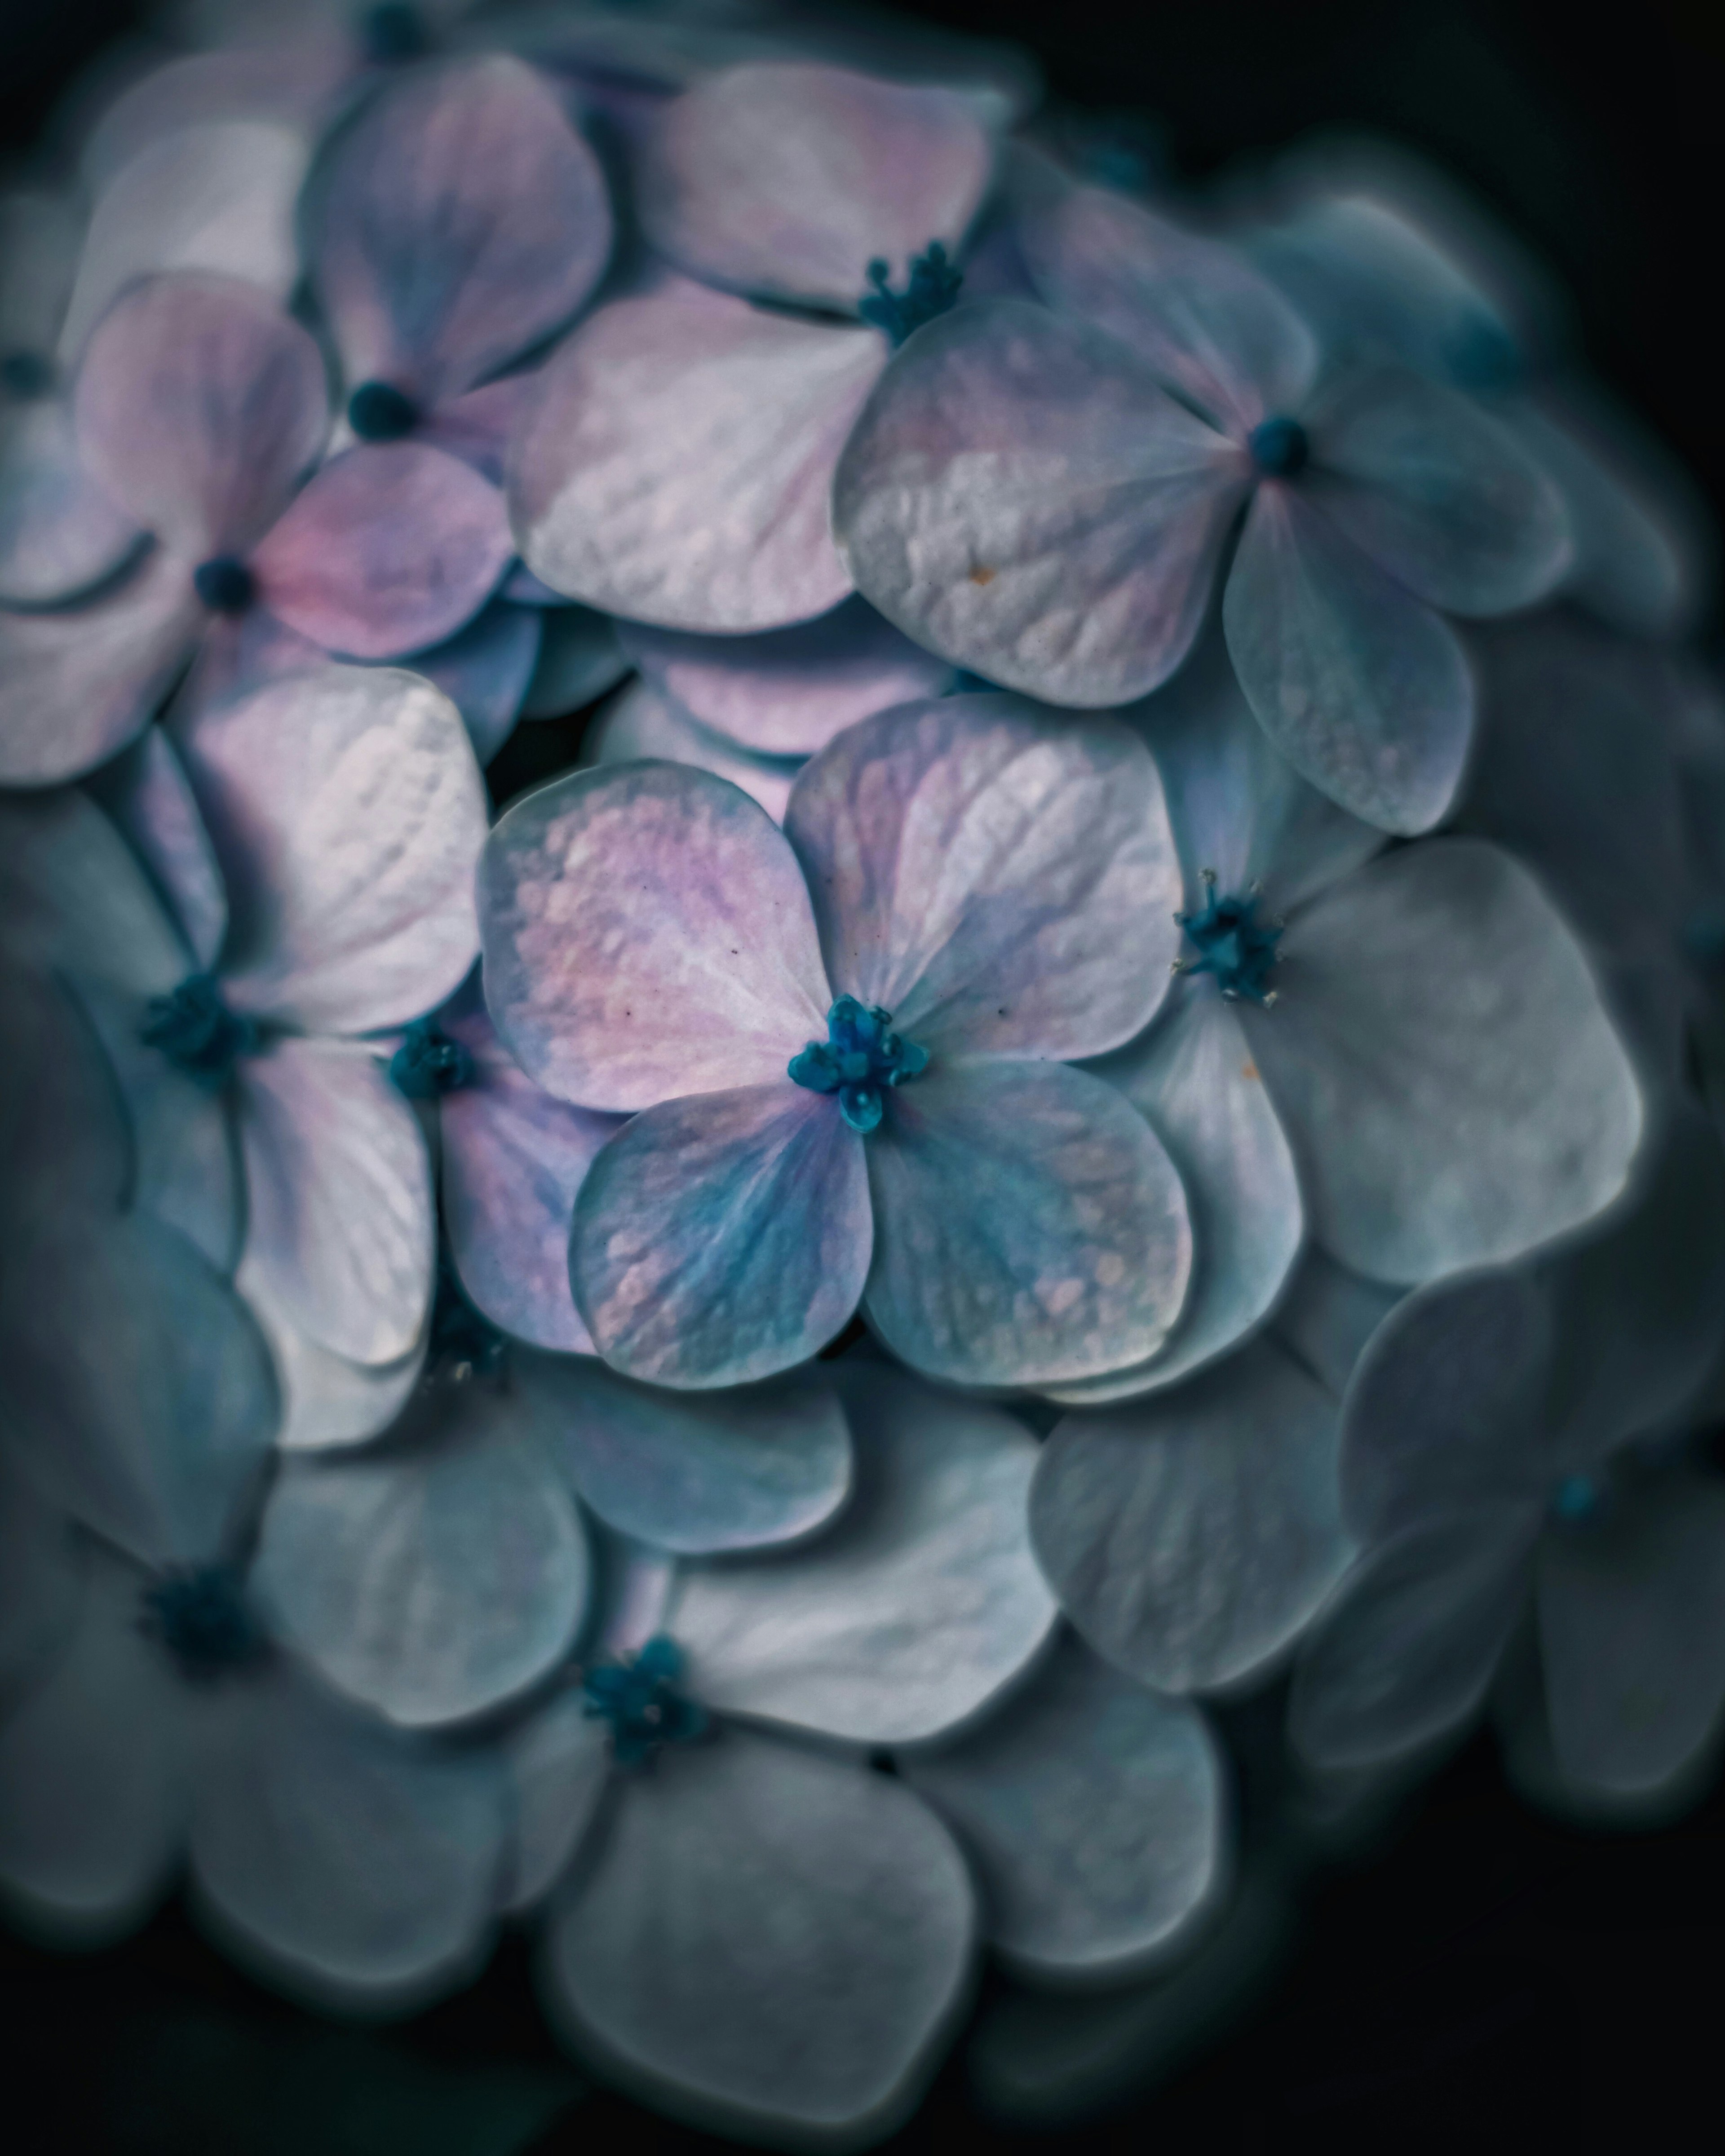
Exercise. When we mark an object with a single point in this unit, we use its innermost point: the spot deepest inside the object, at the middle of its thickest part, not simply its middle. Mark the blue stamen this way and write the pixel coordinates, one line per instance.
(429, 1064)
(1232, 943)
(26, 375)
(638, 1698)
(860, 1056)
(198, 1033)
(1280, 448)
(200, 1614)
(1577, 1498)
(931, 287)
(225, 584)
(379, 411)
(464, 1342)
(393, 32)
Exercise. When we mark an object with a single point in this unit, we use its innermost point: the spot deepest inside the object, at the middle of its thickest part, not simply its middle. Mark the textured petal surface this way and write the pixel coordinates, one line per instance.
(1437, 493)
(1029, 1228)
(1091, 1810)
(1362, 688)
(512, 1159)
(642, 722)
(997, 877)
(699, 1474)
(76, 687)
(1199, 316)
(1019, 496)
(1632, 1632)
(353, 1866)
(1191, 1538)
(1455, 1092)
(826, 2020)
(678, 466)
(434, 1577)
(1407, 1648)
(342, 1224)
(456, 223)
(348, 813)
(723, 1237)
(788, 691)
(608, 903)
(785, 181)
(199, 406)
(918, 1606)
(1193, 1078)
(60, 533)
(392, 547)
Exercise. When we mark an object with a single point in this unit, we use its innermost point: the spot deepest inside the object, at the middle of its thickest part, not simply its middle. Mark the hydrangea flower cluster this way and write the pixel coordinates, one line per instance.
(1095, 1085)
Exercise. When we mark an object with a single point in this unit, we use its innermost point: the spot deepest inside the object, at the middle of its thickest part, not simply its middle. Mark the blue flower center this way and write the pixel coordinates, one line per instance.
(393, 32)
(931, 287)
(379, 411)
(1482, 355)
(198, 1033)
(1232, 943)
(1280, 447)
(859, 1058)
(225, 584)
(26, 375)
(638, 1698)
(201, 1615)
(463, 1343)
(429, 1064)
(1578, 1499)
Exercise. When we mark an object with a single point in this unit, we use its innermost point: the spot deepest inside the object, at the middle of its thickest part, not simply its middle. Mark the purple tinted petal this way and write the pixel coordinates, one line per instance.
(786, 180)
(59, 533)
(342, 1223)
(723, 1237)
(457, 223)
(484, 669)
(288, 82)
(391, 548)
(479, 427)
(789, 691)
(76, 687)
(1199, 317)
(513, 1160)
(1020, 496)
(348, 813)
(199, 405)
(1363, 689)
(639, 722)
(678, 466)
(1029, 1228)
(147, 795)
(608, 903)
(1000, 879)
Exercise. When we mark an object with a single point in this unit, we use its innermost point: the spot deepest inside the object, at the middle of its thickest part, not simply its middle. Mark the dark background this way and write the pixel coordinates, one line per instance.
(1478, 1972)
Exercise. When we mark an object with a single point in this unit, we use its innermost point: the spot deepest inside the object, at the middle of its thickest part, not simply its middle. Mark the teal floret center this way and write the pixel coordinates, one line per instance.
(861, 1057)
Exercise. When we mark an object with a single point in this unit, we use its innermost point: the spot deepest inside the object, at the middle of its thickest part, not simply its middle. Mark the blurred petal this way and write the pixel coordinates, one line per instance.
(342, 1223)
(484, 669)
(435, 1577)
(788, 691)
(697, 1473)
(723, 1237)
(1362, 688)
(921, 1603)
(824, 2020)
(1439, 1058)
(1190, 1538)
(1407, 1648)
(578, 660)
(1091, 1811)
(60, 534)
(200, 405)
(559, 1765)
(457, 222)
(217, 198)
(608, 902)
(784, 180)
(76, 687)
(678, 466)
(325, 1399)
(348, 813)
(999, 878)
(1438, 494)
(353, 1866)
(92, 1796)
(392, 547)
(1019, 496)
(1199, 317)
(1328, 1315)
(1632, 1632)
(1030, 1229)
(147, 795)
(74, 901)
(639, 722)
(41, 1580)
(478, 428)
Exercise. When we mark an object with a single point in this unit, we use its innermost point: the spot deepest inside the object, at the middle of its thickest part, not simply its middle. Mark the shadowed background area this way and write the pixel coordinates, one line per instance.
(1464, 1965)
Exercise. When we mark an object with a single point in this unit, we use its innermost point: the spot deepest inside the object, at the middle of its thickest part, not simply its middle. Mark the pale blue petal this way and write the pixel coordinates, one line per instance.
(639, 722)
(558, 1762)
(579, 658)
(60, 534)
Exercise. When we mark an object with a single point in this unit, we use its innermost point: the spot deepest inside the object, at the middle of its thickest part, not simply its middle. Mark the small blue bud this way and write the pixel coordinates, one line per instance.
(429, 1064)
(638, 1698)
(199, 1612)
(1233, 944)
(931, 288)
(860, 1057)
(1280, 448)
(379, 411)
(393, 32)
(25, 375)
(196, 1031)
(225, 584)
